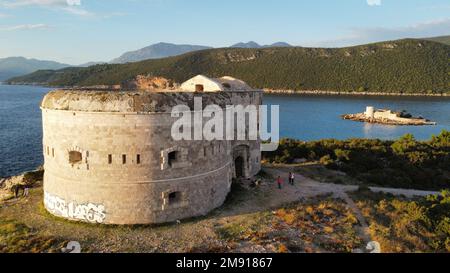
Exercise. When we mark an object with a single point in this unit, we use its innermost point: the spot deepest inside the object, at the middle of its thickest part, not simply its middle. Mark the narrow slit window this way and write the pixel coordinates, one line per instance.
(173, 157)
(109, 159)
(53, 152)
(124, 159)
(138, 159)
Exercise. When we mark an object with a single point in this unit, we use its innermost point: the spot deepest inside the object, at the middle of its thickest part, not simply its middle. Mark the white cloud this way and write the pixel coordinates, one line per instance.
(73, 2)
(23, 3)
(24, 27)
(69, 6)
(77, 11)
(374, 2)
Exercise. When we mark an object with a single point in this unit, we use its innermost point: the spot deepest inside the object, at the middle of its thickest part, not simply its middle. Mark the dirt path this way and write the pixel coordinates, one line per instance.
(405, 192)
(306, 187)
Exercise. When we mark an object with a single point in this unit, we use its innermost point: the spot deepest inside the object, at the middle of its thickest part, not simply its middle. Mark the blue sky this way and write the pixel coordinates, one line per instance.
(78, 31)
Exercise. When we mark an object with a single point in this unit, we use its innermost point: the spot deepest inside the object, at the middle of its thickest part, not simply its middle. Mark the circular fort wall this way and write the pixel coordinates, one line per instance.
(123, 167)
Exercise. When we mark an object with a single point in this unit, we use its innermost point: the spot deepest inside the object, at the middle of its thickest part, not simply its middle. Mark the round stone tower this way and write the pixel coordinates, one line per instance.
(110, 157)
(370, 112)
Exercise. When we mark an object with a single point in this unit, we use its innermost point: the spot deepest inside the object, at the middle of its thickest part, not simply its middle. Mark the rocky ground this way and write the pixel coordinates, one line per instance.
(309, 216)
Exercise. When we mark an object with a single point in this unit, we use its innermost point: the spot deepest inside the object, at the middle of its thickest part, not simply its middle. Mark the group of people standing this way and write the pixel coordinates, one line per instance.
(291, 180)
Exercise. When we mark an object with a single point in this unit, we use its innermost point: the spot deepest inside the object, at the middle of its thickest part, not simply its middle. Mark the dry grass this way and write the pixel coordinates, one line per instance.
(405, 225)
(320, 224)
(324, 222)
(248, 222)
(16, 237)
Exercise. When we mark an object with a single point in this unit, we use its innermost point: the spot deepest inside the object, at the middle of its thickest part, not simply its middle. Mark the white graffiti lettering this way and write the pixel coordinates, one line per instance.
(85, 212)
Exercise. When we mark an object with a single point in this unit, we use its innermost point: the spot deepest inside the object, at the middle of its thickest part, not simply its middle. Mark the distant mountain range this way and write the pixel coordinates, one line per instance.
(163, 50)
(17, 66)
(408, 65)
(157, 51)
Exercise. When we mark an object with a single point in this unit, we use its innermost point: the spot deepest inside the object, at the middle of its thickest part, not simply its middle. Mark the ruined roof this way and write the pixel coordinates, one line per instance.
(226, 83)
(230, 83)
(135, 101)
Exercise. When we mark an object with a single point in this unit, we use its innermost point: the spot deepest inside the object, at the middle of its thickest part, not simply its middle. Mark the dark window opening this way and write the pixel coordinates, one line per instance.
(174, 197)
(109, 159)
(124, 159)
(199, 88)
(53, 152)
(138, 159)
(75, 157)
(173, 157)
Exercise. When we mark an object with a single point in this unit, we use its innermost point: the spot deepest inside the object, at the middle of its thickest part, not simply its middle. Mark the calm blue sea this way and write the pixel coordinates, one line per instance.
(301, 117)
(20, 128)
(318, 117)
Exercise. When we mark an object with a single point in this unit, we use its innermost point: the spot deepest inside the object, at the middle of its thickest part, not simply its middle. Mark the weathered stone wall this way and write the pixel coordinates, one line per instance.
(142, 82)
(126, 174)
(386, 115)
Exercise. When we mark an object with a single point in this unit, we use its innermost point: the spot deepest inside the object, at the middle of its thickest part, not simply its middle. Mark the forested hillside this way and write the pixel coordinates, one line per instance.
(410, 66)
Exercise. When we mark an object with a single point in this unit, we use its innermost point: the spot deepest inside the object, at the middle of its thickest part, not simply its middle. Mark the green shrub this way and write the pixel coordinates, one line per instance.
(405, 163)
(326, 160)
(342, 155)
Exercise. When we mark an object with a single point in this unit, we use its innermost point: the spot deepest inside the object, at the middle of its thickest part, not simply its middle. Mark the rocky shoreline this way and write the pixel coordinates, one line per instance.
(361, 117)
(344, 93)
(272, 91)
(11, 186)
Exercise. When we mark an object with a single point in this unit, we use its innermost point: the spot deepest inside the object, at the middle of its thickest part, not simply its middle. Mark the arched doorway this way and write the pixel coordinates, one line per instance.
(239, 167)
(241, 161)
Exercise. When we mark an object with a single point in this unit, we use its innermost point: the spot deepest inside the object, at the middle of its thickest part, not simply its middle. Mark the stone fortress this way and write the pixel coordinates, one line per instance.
(388, 117)
(110, 158)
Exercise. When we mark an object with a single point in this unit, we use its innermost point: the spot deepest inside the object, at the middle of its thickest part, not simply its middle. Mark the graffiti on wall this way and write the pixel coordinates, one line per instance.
(85, 212)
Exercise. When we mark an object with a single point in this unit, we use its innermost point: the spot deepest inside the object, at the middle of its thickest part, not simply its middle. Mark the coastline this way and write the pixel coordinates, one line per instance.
(293, 92)
(345, 93)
